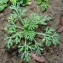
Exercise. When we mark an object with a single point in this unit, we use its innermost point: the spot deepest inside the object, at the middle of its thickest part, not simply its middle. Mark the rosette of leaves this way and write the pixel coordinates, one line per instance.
(26, 31)
(3, 4)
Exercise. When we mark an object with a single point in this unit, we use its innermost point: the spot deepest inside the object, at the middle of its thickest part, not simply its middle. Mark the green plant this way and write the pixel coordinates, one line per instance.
(26, 31)
(24, 2)
(21, 2)
(39, 1)
(43, 4)
(13, 1)
(3, 4)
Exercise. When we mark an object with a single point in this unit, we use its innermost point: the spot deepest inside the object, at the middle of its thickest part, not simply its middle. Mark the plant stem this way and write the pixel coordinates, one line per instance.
(40, 33)
(19, 16)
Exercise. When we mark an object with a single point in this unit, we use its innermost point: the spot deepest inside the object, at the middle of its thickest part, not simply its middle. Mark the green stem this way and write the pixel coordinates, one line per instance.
(19, 16)
(25, 42)
(44, 34)
(40, 33)
(25, 45)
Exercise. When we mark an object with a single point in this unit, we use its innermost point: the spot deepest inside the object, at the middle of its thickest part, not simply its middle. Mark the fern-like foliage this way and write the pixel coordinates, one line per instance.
(37, 47)
(9, 43)
(26, 50)
(27, 32)
(32, 21)
(50, 37)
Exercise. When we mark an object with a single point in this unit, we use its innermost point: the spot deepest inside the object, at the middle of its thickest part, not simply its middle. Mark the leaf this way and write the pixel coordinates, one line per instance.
(55, 38)
(13, 1)
(27, 57)
(47, 2)
(39, 1)
(29, 34)
(37, 47)
(50, 37)
(44, 5)
(32, 21)
(3, 1)
(48, 43)
(25, 49)
(17, 40)
(9, 43)
(2, 6)
(12, 18)
(21, 48)
(22, 12)
(45, 19)
(14, 7)
(12, 29)
(49, 30)
(47, 40)
(17, 37)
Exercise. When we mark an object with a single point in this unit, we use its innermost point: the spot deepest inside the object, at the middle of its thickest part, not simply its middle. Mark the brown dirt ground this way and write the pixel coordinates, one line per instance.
(53, 54)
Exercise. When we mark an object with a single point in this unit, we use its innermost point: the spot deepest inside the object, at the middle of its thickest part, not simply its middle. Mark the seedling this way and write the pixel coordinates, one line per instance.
(27, 32)
(43, 4)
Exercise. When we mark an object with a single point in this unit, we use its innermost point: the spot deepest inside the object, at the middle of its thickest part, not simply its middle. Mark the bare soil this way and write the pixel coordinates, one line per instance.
(54, 54)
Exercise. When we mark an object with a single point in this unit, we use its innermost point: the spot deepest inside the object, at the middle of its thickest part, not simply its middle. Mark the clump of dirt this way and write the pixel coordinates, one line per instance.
(54, 54)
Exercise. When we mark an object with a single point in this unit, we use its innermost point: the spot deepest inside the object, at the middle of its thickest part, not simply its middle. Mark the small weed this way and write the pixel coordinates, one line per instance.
(43, 4)
(27, 32)
(3, 3)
